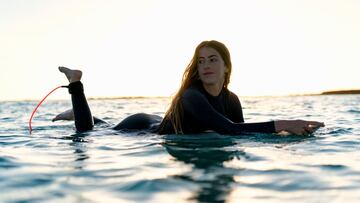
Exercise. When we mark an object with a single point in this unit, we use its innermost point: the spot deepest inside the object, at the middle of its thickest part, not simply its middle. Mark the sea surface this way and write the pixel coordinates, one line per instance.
(55, 164)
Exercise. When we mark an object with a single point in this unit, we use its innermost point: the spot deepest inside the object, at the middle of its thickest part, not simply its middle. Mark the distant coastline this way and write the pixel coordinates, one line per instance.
(341, 92)
(127, 97)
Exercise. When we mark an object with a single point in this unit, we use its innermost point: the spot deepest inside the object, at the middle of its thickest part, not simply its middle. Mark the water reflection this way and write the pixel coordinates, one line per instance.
(78, 143)
(207, 154)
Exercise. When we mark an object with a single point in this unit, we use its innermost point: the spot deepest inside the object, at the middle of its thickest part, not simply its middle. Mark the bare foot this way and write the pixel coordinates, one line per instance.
(66, 115)
(72, 75)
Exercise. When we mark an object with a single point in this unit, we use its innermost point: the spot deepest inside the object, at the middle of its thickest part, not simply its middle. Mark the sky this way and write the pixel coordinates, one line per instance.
(141, 47)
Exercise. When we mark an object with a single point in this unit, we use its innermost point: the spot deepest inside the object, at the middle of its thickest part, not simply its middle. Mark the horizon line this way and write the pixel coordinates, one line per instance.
(324, 93)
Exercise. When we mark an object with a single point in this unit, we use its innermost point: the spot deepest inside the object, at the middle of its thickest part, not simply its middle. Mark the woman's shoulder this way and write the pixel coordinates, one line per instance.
(192, 92)
(194, 88)
(232, 96)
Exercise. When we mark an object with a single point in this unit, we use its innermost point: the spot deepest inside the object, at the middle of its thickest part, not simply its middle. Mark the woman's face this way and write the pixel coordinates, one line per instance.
(211, 67)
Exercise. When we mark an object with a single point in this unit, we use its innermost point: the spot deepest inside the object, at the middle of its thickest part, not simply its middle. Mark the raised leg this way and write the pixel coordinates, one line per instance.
(82, 114)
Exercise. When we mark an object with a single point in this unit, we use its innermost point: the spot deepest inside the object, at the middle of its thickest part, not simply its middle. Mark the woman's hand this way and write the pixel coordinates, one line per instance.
(297, 127)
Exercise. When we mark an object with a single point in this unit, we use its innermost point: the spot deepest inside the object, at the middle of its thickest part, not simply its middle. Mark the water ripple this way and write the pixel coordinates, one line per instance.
(7, 163)
(55, 164)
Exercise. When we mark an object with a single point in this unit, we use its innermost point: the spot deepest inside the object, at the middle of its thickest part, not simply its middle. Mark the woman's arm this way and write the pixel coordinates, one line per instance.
(198, 106)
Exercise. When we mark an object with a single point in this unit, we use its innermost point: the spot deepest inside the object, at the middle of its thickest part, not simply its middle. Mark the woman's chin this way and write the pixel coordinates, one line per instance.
(209, 81)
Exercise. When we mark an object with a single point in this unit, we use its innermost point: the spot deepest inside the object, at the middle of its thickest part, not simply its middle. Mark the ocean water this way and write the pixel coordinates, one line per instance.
(54, 164)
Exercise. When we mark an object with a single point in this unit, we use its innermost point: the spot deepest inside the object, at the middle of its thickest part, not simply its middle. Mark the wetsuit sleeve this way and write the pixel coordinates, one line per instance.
(196, 105)
(235, 109)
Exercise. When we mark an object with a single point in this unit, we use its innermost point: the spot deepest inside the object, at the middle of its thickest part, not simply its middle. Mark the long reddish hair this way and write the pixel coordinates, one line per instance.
(175, 112)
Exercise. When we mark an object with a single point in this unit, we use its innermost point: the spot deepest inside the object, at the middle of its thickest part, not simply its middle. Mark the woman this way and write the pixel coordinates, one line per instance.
(202, 103)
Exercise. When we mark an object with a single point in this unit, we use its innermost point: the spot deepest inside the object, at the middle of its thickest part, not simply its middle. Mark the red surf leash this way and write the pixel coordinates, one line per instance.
(30, 128)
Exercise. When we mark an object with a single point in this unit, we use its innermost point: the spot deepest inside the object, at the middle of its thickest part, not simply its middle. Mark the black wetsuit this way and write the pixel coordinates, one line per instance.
(202, 112)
